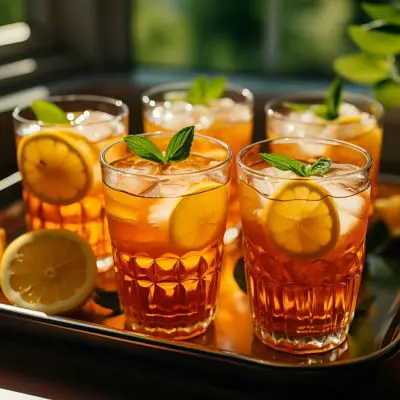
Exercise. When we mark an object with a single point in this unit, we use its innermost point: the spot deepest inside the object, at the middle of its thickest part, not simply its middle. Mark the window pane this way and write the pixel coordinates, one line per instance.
(277, 37)
(11, 11)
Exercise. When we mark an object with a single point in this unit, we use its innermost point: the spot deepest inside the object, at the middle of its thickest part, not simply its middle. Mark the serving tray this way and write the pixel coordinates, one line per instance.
(374, 333)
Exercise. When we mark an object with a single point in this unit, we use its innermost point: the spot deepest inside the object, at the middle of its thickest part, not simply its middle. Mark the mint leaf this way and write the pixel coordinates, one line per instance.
(388, 93)
(144, 148)
(334, 99)
(285, 163)
(197, 91)
(321, 111)
(319, 167)
(179, 147)
(202, 90)
(295, 106)
(49, 113)
(215, 88)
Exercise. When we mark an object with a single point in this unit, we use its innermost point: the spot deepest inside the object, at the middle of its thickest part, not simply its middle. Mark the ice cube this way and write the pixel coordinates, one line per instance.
(97, 125)
(222, 103)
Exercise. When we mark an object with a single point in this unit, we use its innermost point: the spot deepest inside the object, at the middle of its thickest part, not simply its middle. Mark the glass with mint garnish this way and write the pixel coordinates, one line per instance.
(331, 115)
(304, 220)
(166, 197)
(216, 109)
(58, 146)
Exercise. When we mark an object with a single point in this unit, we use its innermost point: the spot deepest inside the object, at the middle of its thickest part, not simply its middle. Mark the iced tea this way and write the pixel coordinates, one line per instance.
(304, 242)
(95, 122)
(167, 225)
(229, 119)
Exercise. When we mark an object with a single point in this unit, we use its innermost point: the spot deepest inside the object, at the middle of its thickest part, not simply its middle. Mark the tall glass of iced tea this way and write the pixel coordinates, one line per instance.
(228, 118)
(60, 166)
(304, 241)
(167, 224)
(359, 122)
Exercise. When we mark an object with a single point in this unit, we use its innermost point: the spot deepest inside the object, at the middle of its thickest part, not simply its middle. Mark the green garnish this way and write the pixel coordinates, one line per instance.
(285, 163)
(49, 113)
(202, 90)
(178, 148)
(329, 110)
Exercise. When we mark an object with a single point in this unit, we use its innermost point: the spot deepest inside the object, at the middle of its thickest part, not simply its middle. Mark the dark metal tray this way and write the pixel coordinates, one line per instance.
(374, 332)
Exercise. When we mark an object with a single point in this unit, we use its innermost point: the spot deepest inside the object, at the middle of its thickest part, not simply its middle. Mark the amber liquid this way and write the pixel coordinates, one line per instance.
(236, 135)
(303, 305)
(86, 217)
(163, 290)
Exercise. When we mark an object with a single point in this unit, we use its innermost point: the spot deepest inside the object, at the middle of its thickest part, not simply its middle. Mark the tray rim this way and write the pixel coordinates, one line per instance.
(190, 349)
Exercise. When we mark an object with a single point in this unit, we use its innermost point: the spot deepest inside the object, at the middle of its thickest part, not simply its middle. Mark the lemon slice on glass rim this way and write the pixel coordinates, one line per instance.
(302, 220)
(52, 271)
(57, 165)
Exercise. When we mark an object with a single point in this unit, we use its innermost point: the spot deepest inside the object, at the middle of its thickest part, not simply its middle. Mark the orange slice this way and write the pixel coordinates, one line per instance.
(57, 166)
(200, 216)
(302, 220)
(53, 271)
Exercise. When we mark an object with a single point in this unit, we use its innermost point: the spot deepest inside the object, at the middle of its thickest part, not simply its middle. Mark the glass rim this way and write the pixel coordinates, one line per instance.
(220, 164)
(71, 98)
(271, 113)
(241, 90)
(358, 170)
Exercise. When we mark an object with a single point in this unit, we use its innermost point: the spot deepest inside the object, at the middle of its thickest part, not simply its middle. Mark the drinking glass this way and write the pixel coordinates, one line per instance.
(304, 242)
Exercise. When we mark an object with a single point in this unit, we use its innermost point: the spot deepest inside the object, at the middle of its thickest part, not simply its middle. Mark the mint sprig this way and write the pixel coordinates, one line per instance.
(48, 112)
(178, 148)
(202, 90)
(285, 163)
(330, 109)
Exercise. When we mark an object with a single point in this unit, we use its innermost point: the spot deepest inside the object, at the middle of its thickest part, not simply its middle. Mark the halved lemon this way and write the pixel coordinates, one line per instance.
(53, 271)
(200, 216)
(57, 166)
(302, 220)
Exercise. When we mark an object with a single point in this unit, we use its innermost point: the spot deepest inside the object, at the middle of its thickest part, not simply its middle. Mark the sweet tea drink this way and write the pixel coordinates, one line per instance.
(167, 224)
(229, 119)
(303, 242)
(60, 167)
(359, 123)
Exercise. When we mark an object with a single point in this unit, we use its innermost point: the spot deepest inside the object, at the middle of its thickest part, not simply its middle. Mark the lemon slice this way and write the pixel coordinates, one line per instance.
(302, 220)
(200, 216)
(349, 119)
(3, 241)
(389, 211)
(57, 166)
(53, 271)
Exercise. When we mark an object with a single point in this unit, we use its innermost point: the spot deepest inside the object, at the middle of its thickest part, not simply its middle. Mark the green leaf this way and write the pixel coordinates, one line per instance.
(203, 90)
(334, 99)
(215, 88)
(321, 111)
(296, 106)
(363, 68)
(319, 167)
(179, 147)
(379, 11)
(49, 113)
(371, 40)
(144, 148)
(285, 163)
(388, 93)
(197, 91)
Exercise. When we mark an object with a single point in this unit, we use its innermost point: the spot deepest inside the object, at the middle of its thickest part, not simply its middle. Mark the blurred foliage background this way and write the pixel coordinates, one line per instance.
(11, 11)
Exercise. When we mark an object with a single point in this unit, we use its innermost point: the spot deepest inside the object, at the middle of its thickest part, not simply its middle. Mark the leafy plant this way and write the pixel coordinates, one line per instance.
(377, 62)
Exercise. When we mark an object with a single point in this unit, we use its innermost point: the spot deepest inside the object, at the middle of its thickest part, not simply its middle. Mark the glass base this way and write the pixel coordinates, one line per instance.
(104, 264)
(303, 345)
(177, 333)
